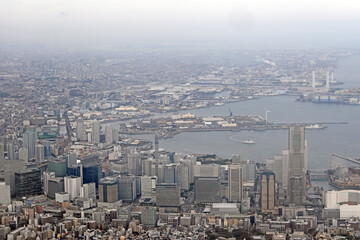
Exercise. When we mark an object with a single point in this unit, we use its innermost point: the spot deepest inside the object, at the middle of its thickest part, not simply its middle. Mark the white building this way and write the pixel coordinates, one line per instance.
(72, 185)
(5, 198)
(346, 201)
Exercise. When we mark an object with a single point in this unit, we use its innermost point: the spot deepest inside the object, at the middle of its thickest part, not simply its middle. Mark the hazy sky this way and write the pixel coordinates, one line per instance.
(241, 23)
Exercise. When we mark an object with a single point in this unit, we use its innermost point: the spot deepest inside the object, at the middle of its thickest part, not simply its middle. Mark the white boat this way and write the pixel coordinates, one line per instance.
(315, 126)
(248, 142)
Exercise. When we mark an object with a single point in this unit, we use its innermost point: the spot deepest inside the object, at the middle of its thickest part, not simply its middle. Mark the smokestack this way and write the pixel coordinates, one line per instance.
(313, 84)
(332, 77)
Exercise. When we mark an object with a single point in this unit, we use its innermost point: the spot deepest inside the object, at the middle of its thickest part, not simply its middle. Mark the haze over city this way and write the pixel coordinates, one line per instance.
(259, 24)
(169, 119)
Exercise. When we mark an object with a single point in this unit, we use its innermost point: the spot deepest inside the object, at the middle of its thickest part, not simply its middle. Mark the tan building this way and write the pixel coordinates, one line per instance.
(267, 192)
(235, 183)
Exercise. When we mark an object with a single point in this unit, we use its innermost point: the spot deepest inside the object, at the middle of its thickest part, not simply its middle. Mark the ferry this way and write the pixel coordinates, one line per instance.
(248, 142)
(315, 126)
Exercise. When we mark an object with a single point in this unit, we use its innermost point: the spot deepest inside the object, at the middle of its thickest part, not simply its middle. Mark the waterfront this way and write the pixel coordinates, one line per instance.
(341, 139)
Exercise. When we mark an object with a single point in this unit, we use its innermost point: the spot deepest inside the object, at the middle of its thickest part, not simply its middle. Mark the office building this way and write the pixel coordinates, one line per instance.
(168, 195)
(127, 189)
(236, 159)
(327, 84)
(2, 156)
(296, 191)
(39, 153)
(10, 168)
(55, 185)
(313, 83)
(235, 185)
(207, 189)
(28, 183)
(10, 148)
(47, 150)
(47, 175)
(58, 166)
(206, 170)
(80, 133)
(72, 185)
(88, 190)
(5, 195)
(29, 142)
(267, 192)
(184, 176)
(23, 154)
(171, 173)
(146, 167)
(109, 139)
(148, 186)
(248, 170)
(148, 216)
(109, 190)
(133, 159)
(96, 132)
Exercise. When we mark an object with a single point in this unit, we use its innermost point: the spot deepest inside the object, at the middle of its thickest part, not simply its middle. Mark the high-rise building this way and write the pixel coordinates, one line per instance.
(313, 83)
(296, 189)
(146, 167)
(248, 170)
(39, 153)
(5, 197)
(29, 141)
(55, 185)
(47, 149)
(207, 189)
(109, 134)
(80, 133)
(148, 186)
(133, 159)
(47, 175)
(10, 168)
(127, 188)
(171, 173)
(267, 192)
(72, 185)
(327, 84)
(96, 132)
(23, 154)
(28, 183)
(88, 190)
(236, 159)
(206, 170)
(148, 216)
(2, 156)
(109, 190)
(235, 183)
(10, 147)
(157, 156)
(184, 176)
(168, 195)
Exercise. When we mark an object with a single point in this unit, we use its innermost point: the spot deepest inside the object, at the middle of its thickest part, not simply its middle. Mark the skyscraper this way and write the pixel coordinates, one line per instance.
(109, 134)
(96, 132)
(10, 151)
(235, 183)
(2, 157)
(29, 141)
(296, 189)
(157, 156)
(80, 134)
(267, 191)
(39, 153)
